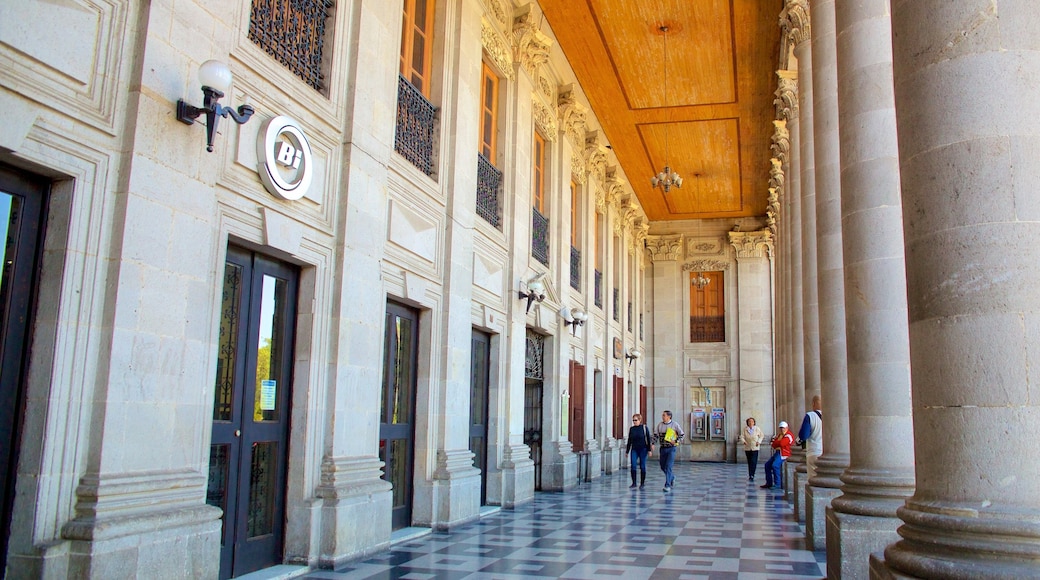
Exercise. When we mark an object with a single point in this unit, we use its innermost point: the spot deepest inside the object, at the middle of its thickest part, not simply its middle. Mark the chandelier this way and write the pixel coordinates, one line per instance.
(667, 178)
(699, 280)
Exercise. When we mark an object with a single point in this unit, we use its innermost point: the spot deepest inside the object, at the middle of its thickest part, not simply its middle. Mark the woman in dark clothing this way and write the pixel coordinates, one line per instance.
(639, 447)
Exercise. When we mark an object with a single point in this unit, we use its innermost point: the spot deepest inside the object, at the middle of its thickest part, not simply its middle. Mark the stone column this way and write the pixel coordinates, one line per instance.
(881, 465)
(668, 324)
(795, 20)
(825, 485)
(969, 152)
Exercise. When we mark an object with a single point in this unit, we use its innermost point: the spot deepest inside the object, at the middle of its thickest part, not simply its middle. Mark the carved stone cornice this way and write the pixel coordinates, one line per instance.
(781, 141)
(497, 48)
(531, 44)
(786, 95)
(640, 229)
(794, 21)
(772, 210)
(601, 200)
(615, 189)
(752, 244)
(664, 248)
(572, 119)
(497, 10)
(705, 266)
(777, 179)
(544, 119)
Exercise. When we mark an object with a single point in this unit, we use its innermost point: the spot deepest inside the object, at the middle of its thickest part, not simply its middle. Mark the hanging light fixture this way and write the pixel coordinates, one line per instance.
(699, 280)
(667, 178)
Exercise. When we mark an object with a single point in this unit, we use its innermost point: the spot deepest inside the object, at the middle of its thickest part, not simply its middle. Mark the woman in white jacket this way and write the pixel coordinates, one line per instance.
(751, 437)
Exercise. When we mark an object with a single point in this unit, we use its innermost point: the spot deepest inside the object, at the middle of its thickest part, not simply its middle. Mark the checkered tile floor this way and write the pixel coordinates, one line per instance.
(714, 525)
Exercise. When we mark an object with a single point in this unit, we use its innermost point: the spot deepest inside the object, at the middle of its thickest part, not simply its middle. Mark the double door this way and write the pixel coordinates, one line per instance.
(397, 413)
(251, 410)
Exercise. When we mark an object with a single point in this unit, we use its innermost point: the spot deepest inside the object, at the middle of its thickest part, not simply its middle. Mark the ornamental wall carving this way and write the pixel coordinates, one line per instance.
(785, 98)
(781, 141)
(544, 119)
(752, 244)
(531, 44)
(705, 266)
(664, 247)
(497, 49)
(794, 21)
(704, 246)
(497, 10)
(573, 117)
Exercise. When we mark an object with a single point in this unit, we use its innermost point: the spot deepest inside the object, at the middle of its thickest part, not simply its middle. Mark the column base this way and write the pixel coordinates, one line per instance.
(561, 472)
(817, 500)
(595, 458)
(352, 490)
(452, 496)
(851, 539)
(514, 484)
(799, 481)
(612, 455)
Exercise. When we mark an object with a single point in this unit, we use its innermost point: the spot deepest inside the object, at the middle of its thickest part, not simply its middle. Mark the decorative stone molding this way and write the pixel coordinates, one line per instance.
(595, 156)
(640, 229)
(572, 118)
(772, 210)
(752, 244)
(781, 146)
(546, 87)
(601, 200)
(777, 179)
(705, 266)
(786, 95)
(794, 21)
(531, 45)
(578, 169)
(664, 248)
(615, 188)
(495, 8)
(704, 246)
(497, 48)
(544, 119)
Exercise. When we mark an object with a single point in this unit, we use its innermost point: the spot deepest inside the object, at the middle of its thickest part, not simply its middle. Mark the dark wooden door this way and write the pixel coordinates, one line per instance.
(480, 374)
(642, 402)
(23, 205)
(397, 413)
(576, 429)
(251, 411)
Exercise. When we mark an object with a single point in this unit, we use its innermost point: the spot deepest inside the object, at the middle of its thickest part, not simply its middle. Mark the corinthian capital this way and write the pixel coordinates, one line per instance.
(531, 44)
(794, 21)
(664, 247)
(752, 244)
(786, 95)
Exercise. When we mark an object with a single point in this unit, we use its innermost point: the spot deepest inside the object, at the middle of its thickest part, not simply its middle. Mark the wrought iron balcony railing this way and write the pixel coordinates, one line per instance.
(597, 294)
(539, 237)
(415, 120)
(575, 268)
(617, 305)
(628, 320)
(489, 182)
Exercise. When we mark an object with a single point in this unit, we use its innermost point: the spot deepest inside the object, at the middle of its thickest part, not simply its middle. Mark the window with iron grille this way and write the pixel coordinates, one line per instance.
(575, 268)
(707, 307)
(640, 326)
(628, 320)
(489, 181)
(617, 305)
(415, 124)
(539, 236)
(597, 280)
(293, 32)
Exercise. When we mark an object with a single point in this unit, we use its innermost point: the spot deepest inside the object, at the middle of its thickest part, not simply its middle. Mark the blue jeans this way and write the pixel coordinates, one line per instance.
(667, 460)
(638, 455)
(773, 467)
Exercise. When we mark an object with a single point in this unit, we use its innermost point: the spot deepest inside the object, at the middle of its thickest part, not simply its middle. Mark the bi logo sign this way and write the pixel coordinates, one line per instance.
(286, 164)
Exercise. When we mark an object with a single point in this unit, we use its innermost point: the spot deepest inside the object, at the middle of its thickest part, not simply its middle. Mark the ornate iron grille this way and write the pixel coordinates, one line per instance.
(415, 116)
(575, 268)
(597, 279)
(617, 305)
(293, 32)
(628, 320)
(707, 329)
(640, 326)
(489, 180)
(539, 237)
(535, 356)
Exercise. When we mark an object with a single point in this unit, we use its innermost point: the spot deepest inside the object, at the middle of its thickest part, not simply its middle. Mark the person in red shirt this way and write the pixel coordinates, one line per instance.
(781, 445)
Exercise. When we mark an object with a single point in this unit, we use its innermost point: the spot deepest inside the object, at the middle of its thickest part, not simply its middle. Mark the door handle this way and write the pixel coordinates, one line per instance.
(238, 432)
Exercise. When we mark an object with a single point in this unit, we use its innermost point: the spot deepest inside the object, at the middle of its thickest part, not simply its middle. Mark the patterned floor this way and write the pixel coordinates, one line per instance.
(714, 525)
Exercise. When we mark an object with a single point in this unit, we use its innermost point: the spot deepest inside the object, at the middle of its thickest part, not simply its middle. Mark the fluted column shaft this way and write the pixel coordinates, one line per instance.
(880, 475)
(968, 121)
(823, 486)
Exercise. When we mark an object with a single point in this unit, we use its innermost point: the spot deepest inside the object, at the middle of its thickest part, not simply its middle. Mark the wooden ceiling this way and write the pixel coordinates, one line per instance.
(712, 120)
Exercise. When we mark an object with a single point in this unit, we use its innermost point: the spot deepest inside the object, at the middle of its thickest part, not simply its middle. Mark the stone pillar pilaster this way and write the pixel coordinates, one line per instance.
(825, 485)
(665, 252)
(967, 114)
(880, 475)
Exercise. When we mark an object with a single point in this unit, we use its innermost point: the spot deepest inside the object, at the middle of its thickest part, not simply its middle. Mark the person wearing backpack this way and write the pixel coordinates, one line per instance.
(668, 434)
(640, 445)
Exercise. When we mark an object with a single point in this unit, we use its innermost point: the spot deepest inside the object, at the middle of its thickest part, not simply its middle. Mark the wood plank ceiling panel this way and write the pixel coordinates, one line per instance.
(716, 108)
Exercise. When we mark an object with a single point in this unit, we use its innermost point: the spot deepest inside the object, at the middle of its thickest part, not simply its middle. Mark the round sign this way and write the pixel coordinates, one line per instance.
(285, 161)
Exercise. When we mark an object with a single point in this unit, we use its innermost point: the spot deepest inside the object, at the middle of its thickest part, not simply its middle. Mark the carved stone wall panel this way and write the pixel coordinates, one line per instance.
(704, 246)
(705, 266)
(713, 364)
(497, 48)
(79, 74)
(544, 119)
(497, 9)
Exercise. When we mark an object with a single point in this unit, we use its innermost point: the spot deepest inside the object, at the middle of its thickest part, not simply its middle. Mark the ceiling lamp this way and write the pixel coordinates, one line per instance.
(699, 280)
(667, 178)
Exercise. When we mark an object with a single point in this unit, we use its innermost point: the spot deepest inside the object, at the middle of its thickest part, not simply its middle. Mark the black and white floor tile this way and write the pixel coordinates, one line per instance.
(714, 525)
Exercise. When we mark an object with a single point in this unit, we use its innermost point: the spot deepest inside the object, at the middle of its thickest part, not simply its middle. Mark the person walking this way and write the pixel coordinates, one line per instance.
(640, 445)
(810, 436)
(668, 434)
(751, 438)
(781, 445)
